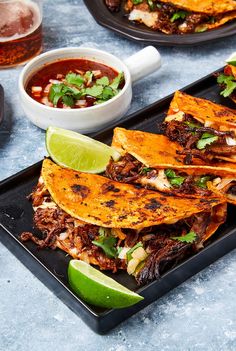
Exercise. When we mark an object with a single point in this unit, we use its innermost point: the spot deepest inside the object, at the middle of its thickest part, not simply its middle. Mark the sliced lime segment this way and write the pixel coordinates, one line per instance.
(77, 151)
(97, 289)
(231, 60)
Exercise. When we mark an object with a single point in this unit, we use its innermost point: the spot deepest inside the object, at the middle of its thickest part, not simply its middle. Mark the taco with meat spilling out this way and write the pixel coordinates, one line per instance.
(204, 129)
(180, 16)
(119, 226)
(227, 82)
(163, 169)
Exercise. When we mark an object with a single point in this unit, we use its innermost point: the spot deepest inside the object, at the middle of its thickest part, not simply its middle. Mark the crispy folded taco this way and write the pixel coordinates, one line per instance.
(227, 81)
(204, 129)
(181, 16)
(164, 170)
(119, 226)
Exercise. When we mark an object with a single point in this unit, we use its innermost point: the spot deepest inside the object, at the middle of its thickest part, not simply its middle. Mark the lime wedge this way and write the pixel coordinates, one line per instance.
(97, 289)
(231, 60)
(77, 151)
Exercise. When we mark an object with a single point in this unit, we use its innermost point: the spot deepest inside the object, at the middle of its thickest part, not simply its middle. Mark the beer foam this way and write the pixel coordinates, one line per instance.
(12, 16)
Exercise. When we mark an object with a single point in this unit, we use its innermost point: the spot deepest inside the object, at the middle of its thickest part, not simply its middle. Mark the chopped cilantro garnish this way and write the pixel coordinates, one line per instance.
(95, 90)
(76, 86)
(173, 178)
(145, 170)
(188, 238)
(107, 244)
(117, 81)
(202, 181)
(136, 2)
(151, 5)
(179, 15)
(205, 140)
(229, 82)
(75, 79)
(103, 81)
(192, 124)
(129, 253)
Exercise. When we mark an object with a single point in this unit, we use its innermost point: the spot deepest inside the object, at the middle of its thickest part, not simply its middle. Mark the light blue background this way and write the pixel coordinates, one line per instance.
(200, 315)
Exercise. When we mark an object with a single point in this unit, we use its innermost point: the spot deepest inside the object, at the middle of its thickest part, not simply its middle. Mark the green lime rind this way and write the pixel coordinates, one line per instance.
(79, 152)
(97, 289)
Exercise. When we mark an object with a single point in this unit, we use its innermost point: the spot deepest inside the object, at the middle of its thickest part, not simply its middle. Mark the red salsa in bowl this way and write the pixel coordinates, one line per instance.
(74, 83)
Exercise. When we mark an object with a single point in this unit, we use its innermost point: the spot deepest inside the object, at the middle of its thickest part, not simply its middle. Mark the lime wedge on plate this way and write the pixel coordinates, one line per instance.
(97, 289)
(77, 151)
(231, 60)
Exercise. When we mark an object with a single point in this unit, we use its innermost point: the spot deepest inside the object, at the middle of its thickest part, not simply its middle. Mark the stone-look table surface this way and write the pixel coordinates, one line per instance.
(199, 315)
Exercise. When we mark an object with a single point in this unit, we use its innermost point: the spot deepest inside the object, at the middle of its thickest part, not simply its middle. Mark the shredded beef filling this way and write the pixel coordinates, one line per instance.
(187, 135)
(232, 189)
(163, 251)
(170, 18)
(128, 170)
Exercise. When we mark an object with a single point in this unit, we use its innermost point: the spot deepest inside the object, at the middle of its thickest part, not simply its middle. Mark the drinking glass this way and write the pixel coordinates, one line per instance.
(20, 31)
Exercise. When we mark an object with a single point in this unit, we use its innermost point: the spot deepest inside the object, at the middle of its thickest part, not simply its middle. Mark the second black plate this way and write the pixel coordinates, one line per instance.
(120, 24)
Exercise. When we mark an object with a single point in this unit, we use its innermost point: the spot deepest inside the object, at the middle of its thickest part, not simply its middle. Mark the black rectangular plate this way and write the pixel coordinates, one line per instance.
(119, 23)
(51, 266)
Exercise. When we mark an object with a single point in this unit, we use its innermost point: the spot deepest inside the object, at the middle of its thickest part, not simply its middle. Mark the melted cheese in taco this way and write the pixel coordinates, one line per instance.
(181, 16)
(117, 226)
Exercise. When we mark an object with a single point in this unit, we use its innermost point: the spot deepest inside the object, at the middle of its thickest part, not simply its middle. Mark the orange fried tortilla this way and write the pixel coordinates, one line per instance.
(157, 151)
(205, 6)
(97, 200)
(204, 111)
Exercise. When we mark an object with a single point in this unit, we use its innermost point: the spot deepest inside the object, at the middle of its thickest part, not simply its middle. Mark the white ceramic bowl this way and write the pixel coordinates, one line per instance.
(90, 119)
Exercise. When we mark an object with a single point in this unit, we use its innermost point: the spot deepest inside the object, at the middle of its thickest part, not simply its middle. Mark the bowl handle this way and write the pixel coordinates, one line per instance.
(143, 63)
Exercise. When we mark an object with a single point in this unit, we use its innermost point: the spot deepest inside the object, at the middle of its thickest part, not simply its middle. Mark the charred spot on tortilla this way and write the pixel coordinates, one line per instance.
(80, 189)
(153, 205)
(106, 187)
(110, 203)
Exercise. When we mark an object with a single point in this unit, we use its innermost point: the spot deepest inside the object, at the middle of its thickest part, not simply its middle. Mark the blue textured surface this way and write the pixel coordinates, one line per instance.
(200, 315)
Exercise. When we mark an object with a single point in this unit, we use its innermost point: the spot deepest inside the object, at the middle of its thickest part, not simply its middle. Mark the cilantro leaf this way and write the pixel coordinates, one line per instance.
(202, 181)
(145, 170)
(107, 244)
(117, 81)
(75, 79)
(229, 82)
(136, 2)
(107, 93)
(95, 90)
(68, 100)
(205, 140)
(179, 15)
(188, 238)
(173, 178)
(151, 5)
(103, 81)
(192, 124)
(129, 253)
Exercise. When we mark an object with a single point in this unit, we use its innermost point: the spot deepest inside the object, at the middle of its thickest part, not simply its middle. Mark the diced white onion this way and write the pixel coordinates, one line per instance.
(55, 81)
(123, 252)
(36, 90)
(46, 102)
(230, 141)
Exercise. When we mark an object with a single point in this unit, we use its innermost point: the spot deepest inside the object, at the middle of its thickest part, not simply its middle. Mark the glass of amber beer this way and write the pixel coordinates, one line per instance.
(20, 31)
